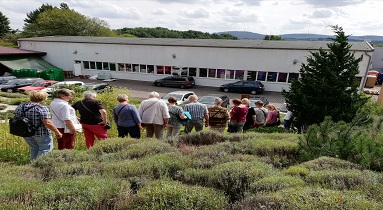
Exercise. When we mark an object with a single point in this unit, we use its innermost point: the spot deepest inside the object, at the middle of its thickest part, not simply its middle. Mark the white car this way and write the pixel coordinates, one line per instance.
(181, 96)
(59, 85)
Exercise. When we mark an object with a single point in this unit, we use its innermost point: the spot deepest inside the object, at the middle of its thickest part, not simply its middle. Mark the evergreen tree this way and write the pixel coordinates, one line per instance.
(4, 25)
(32, 16)
(327, 86)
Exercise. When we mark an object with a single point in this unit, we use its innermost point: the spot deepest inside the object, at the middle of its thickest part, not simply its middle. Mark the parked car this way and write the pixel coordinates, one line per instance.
(252, 87)
(60, 85)
(5, 79)
(37, 85)
(175, 81)
(283, 108)
(253, 99)
(181, 96)
(98, 87)
(208, 100)
(12, 85)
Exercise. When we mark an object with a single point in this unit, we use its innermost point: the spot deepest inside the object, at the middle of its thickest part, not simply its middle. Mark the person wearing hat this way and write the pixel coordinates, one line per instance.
(260, 114)
(64, 116)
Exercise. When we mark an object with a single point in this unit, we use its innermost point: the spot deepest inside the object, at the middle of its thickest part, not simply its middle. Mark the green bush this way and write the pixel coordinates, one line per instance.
(203, 138)
(83, 192)
(173, 195)
(111, 145)
(145, 148)
(296, 171)
(344, 179)
(309, 198)
(166, 165)
(16, 101)
(359, 141)
(13, 95)
(327, 163)
(6, 115)
(233, 178)
(219, 153)
(60, 157)
(276, 182)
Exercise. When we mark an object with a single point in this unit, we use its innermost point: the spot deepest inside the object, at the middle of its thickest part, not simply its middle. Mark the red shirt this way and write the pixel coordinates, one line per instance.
(238, 114)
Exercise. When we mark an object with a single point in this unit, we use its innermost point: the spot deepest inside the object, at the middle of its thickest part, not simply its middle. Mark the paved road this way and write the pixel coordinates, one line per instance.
(141, 90)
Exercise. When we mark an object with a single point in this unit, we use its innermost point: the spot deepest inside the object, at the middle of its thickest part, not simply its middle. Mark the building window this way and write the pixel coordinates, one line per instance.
(272, 76)
(193, 72)
(202, 72)
(282, 77)
(212, 73)
(105, 66)
(121, 67)
(293, 76)
(112, 66)
(261, 76)
(99, 65)
(150, 69)
(163, 69)
(221, 73)
(229, 74)
(92, 65)
(128, 67)
(251, 75)
(86, 64)
(239, 74)
(142, 68)
(136, 68)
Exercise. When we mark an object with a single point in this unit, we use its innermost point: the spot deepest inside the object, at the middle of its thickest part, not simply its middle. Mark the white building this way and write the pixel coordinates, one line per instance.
(211, 62)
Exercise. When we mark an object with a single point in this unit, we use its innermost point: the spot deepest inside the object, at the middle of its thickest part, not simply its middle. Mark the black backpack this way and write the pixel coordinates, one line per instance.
(21, 125)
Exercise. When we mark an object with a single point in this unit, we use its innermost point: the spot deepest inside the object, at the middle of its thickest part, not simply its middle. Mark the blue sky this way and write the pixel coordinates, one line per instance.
(357, 17)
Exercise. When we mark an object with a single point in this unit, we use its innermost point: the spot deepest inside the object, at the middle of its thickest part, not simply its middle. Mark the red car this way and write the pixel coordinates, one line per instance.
(38, 85)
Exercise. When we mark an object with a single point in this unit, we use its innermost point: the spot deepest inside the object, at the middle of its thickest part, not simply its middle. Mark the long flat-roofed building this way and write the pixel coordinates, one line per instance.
(212, 62)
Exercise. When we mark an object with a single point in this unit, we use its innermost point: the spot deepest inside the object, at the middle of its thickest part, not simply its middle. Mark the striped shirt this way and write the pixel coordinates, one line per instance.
(196, 110)
(36, 115)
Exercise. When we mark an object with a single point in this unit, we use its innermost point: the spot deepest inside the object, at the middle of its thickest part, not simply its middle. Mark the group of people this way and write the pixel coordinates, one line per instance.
(153, 114)
(63, 120)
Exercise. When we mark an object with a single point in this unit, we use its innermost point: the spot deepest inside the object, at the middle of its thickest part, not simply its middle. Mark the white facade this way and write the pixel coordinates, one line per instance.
(211, 62)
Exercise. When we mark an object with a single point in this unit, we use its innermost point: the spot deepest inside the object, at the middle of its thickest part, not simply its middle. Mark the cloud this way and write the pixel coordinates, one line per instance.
(333, 3)
(160, 11)
(322, 13)
(189, 1)
(252, 2)
(197, 13)
(239, 16)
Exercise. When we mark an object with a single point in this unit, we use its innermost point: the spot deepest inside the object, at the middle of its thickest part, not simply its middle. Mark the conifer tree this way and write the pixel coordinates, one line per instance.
(327, 86)
(4, 25)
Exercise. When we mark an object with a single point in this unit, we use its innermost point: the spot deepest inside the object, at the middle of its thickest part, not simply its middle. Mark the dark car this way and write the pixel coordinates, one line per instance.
(253, 99)
(5, 79)
(98, 87)
(175, 81)
(208, 100)
(12, 85)
(252, 87)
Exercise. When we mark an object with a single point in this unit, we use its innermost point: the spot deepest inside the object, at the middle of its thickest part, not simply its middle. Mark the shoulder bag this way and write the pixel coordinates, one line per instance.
(107, 126)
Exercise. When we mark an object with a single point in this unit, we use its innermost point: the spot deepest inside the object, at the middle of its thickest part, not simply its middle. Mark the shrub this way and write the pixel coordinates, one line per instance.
(327, 163)
(309, 198)
(203, 138)
(296, 171)
(233, 178)
(344, 179)
(210, 156)
(13, 95)
(173, 195)
(16, 101)
(111, 145)
(274, 183)
(77, 193)
(167, 165)
(60, 157)
(144, 148)
(358, 141)
(269, 130)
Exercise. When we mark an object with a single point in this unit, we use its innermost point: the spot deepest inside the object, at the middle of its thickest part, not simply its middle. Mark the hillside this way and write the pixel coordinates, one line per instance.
(313, 37)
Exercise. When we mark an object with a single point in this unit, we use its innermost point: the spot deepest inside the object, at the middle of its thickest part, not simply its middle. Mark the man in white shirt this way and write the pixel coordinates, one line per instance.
(155, 115)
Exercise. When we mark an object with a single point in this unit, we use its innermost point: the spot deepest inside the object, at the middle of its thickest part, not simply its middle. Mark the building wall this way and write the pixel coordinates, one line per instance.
(377, 59)
(65, 55)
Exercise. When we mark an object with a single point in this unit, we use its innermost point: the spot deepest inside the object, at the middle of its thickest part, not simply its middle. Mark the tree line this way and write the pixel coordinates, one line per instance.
(48, 20)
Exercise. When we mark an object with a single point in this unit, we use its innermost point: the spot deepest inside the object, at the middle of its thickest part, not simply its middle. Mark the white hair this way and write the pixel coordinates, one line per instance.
(154, 94)
(193, 98)
(89, 94)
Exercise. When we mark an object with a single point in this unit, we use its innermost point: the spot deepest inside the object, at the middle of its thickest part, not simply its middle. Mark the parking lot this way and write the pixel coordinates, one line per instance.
(141, 90)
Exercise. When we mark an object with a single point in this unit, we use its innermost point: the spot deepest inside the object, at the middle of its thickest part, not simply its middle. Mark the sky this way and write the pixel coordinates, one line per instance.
(273, 17)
